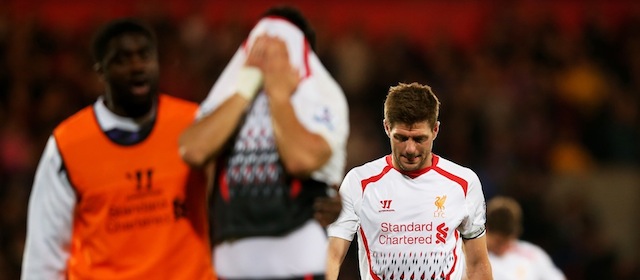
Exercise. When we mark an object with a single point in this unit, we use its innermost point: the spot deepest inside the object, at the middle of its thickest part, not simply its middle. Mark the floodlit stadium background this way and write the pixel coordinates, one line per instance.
(540, 98)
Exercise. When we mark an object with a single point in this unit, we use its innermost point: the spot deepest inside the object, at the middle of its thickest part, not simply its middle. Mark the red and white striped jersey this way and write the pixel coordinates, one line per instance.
(411, 225)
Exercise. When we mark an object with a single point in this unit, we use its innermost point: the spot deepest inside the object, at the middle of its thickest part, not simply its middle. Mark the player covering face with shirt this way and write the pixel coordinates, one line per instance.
(274, 126)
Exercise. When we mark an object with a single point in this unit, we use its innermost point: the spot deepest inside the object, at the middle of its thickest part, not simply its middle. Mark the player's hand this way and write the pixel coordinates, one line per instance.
(250, 77)
(327, 209)
(280, 78)
(257, 53)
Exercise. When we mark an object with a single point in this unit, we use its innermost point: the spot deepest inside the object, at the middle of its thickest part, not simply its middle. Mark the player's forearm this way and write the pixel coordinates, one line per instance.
(335, 256)
(479, 269)
(301, 151)
(479, 272)
(333, 270)
(478, 265)
(205, 138)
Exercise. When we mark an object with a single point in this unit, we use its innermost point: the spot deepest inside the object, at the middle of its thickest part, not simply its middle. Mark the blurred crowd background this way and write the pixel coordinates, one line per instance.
(540, 98)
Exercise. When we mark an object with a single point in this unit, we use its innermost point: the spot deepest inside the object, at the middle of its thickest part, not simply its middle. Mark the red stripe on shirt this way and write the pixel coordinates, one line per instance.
(462, 182)
(366, 248)
(307, 51)
(375, 178)
(455, 256)
(296, 186)
(224, 185)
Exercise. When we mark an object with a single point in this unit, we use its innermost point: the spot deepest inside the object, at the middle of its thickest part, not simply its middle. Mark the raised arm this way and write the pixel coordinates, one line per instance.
(205, 139)
(301, 151)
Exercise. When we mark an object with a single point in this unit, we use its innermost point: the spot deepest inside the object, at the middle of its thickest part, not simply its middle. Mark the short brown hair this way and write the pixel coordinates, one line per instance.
(410, 104)
(504, 216)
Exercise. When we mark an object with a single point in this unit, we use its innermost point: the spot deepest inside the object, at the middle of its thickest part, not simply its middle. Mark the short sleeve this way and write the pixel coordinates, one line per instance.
(348, 222)
(473, 226)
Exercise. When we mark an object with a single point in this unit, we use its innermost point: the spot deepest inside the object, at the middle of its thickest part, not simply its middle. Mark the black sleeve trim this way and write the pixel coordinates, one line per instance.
(475, 236)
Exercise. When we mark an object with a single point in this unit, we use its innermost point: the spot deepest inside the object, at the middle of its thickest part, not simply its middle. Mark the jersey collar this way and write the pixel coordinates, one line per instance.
(109, 120)
(416, 173)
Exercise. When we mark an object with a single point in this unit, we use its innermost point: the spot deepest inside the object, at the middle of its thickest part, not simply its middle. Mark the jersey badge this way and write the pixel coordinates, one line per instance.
(440, 200)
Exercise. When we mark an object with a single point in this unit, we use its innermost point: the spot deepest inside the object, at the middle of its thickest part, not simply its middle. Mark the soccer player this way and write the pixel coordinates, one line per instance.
(511, 258)
(111, 198)
(412, 210)
(275, 124)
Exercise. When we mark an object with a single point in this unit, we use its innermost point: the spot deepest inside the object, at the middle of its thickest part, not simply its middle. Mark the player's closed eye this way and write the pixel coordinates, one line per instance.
(403, 138)
(400, 138)
(421, 139)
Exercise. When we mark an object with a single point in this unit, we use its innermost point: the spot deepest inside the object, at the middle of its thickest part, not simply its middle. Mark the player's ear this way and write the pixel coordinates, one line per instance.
(387, 128)
(436, 128)
(99, 70)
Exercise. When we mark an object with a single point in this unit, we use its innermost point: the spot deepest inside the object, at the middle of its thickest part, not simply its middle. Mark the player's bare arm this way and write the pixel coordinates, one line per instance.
(477, 259)
(301, 151)
(338, 248)
(207, 137)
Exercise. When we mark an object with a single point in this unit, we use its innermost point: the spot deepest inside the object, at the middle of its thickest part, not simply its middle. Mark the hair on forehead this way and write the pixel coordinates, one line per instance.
(116, 29)
(410, 104)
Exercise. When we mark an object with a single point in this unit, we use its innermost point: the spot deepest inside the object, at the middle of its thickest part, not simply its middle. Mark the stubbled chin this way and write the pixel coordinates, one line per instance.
(410, 166)
(412, 161)
(414, 164)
